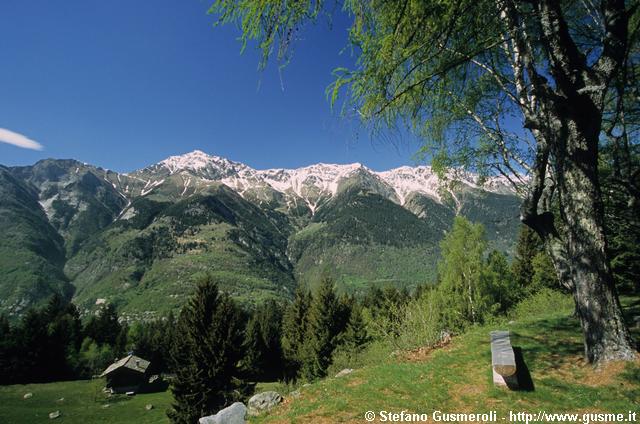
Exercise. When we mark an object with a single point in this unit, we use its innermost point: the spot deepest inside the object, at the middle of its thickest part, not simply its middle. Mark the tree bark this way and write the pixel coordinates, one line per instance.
(577, 244)
(606, 336)
(565, 118)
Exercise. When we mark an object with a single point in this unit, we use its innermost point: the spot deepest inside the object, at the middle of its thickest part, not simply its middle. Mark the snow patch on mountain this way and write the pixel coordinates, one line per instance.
(324, 177)
(150, 186)
(200, 162)
(406, 180)
(311, 183)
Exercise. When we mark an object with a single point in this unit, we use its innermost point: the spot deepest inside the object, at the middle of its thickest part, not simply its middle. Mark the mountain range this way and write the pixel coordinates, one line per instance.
(140, 239)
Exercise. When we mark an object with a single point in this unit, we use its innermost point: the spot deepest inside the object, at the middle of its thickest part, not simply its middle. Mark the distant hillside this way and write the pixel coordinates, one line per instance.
(145, 262)
(31, 251)
(138, 239)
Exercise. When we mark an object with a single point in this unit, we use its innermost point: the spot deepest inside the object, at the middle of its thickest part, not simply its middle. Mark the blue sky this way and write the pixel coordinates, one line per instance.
(123, 84)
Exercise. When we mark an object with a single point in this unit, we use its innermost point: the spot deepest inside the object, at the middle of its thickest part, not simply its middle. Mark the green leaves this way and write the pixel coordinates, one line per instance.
(460, 273)
(272, 23)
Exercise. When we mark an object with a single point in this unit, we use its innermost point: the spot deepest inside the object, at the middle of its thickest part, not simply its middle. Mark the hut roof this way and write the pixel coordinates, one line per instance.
(132, 362)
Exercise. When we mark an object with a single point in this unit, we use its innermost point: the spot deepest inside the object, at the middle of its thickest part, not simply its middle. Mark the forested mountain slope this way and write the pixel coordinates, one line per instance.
(137, 239)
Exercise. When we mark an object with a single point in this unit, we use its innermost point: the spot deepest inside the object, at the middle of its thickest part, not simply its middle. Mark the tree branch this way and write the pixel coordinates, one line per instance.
(614, 44)
(568, 64)
(529, 215)
(523, 60)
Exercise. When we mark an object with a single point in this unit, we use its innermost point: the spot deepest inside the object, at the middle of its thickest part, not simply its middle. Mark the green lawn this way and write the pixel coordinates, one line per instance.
(457, 378)
(83, 403)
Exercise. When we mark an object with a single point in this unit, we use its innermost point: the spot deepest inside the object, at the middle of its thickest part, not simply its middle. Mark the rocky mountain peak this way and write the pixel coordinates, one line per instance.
(197, 161)
(311, 183)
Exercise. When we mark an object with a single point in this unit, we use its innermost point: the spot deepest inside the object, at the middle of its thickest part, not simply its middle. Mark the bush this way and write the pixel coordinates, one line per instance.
(422, 322)
(375, 353)
(543, 303)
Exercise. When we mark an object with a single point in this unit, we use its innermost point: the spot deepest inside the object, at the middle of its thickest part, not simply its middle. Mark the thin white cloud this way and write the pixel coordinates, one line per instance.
(18, 140)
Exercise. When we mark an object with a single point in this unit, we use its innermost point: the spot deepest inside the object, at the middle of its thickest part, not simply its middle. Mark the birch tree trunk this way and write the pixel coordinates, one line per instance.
(576, 241)
(606, 336)
(566, 119)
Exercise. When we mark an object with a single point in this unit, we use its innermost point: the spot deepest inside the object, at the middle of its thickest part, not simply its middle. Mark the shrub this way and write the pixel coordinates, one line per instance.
(422, 323)
(543, 303)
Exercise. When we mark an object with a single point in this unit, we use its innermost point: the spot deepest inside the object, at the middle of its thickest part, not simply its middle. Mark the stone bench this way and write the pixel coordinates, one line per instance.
(503, 360)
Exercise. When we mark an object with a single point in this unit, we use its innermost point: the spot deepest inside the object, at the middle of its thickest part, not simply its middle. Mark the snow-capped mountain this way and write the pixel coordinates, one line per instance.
(312, 184)
(137, 238)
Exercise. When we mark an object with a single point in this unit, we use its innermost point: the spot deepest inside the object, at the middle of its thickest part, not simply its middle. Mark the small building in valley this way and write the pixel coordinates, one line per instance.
(128, 374)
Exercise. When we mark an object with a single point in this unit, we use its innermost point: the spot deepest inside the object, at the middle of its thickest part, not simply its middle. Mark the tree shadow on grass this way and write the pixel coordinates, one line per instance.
(550, 344)
(114, 399)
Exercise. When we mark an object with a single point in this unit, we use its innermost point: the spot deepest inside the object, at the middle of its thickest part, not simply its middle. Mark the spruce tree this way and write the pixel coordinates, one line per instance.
(7, 349)
(622, 214)
(263, 350)
(323, 330)
(294, 331)
(104, 328)
(531, 259)
(528, 245)
(64, 335)
(499, 284)
(544, 275)
(152, 341)
(355, 337)
(255, 348)
(206, 354)
(32, 340)
(43, 346)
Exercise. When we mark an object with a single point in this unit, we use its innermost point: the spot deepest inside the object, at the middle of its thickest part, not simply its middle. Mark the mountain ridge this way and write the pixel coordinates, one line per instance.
(326, 177)
(137, 239)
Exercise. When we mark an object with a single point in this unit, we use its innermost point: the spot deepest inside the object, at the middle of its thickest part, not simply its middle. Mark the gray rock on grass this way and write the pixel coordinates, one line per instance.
(234, 414)
(262, 402)
(344, 372)
(295, 394)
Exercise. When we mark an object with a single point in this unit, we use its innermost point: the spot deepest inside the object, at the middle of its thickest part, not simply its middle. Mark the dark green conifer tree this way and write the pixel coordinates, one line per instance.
(528, 246)
(32, 341)
(531, 258)
(255, 348)
(499, 284)
(64, 335)
(263, 350)
(322, 333)
(43, 346)
(294, 331)
(621, 195)
(152, 341)
(104, 328)
(206, 355)
(355, 337)
(544, 275)
(7, 347)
